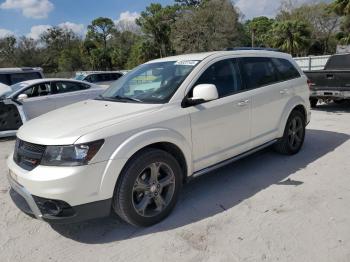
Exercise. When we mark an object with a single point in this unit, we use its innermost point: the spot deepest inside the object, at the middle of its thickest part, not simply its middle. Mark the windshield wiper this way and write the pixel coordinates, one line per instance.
(119, 98)
(126, 98)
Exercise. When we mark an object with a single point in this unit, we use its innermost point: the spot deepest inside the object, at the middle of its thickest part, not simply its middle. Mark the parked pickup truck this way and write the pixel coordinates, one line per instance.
(331, 83)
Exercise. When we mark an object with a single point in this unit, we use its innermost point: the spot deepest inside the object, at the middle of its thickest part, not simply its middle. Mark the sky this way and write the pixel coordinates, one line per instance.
(32, 17)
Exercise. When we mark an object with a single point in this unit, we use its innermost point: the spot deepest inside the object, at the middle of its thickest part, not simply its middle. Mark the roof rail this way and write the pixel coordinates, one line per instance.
(252, 48)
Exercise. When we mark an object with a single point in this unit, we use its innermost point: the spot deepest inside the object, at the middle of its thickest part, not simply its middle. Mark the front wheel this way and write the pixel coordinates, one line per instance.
(148, 188)
(293, 136)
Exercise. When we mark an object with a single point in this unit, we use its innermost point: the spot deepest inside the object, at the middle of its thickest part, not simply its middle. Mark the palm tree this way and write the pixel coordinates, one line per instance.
(342, 7)
(291, 36)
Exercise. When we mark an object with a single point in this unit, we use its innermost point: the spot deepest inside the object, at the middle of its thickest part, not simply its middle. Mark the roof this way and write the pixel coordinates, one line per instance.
(202, 56)
(98, 72)
(20, 69)
(42, 80)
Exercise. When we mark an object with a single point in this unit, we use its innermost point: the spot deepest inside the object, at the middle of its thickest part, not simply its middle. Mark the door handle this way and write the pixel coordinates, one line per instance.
(243, 103)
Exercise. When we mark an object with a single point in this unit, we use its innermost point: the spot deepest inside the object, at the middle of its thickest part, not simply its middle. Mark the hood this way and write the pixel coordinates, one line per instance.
(4, 89)
(64, 126)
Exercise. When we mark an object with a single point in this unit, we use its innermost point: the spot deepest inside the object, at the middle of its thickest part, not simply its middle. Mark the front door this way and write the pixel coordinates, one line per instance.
(221, 128)
(38, 101)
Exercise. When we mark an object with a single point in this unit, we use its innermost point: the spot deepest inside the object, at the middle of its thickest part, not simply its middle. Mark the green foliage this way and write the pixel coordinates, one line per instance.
(7, 51)
(291, 36)
(155, 23)
(213, 26)
(258, 28)
(341, 7)
(184, 27)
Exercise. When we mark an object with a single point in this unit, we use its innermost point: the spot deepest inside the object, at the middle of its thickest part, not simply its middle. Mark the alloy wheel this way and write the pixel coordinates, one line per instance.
(295, 132)
(153, 189)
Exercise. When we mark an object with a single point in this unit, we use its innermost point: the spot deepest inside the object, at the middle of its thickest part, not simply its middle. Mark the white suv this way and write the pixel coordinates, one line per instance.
(130, 150)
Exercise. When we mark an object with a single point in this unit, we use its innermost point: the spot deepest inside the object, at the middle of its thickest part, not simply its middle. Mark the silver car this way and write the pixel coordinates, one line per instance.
(29, 99)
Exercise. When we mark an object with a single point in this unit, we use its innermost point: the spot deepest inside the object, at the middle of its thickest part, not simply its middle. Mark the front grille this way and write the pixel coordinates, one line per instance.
(28, 155)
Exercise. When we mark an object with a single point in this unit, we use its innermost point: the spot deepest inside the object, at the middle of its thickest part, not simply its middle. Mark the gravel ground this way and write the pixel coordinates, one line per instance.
(266, 207)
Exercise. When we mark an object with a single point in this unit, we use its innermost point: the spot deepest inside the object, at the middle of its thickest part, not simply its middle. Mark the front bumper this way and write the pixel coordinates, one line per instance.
(330, 94)
(35, 206)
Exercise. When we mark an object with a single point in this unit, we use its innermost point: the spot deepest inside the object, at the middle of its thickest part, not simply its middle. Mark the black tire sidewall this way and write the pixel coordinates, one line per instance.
(122, 199)
(293, 115)
(313, 102)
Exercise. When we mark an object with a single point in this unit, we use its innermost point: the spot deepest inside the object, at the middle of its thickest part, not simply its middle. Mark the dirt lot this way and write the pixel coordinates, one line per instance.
(266, 207)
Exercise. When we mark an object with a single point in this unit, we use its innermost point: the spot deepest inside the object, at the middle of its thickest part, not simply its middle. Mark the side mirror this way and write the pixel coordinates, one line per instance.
(202, 93)
(22, 97)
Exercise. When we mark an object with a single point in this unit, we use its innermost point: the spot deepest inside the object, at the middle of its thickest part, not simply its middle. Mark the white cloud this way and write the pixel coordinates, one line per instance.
(5, 32)
(253, 8)
(76, 28)
(126, 21)
(30, 8)
(37, 30)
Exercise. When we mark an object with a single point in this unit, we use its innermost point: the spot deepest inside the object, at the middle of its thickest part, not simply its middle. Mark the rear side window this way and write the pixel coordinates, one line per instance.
(65, 87)
(224, 75)
(20, 77)
(115, 76)
(258, 71)
(338, 62)
(286, 69)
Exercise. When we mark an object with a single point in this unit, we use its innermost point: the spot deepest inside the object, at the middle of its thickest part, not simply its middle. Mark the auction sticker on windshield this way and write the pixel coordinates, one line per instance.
(187, 62)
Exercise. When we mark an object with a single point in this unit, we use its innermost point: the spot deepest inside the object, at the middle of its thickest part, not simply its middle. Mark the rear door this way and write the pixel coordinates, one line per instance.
(69, 92)
(269, 97)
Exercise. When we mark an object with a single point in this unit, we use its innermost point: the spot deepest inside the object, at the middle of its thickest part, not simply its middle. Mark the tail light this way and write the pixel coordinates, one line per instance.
(310, 83)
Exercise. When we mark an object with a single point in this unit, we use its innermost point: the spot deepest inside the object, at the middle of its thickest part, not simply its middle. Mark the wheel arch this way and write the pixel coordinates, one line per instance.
(160, 138)
(294, 104)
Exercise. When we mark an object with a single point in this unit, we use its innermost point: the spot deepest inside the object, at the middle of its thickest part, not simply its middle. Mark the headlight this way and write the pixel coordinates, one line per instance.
(72, 155)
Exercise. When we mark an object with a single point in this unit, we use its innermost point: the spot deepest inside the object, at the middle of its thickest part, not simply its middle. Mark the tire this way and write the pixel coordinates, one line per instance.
(313, 102)
(339, 102)
(293, 136)
(148, 188)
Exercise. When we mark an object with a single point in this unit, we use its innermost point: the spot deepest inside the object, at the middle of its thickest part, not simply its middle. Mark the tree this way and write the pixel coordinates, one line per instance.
(189, 3)
(321, 20)
(100, 30)
(258, 28)
(99, 33)
(341, 7)
(122, 43)
(7, 51)
(27, 52)
(57, 40)
(212, 26)
(156, 24)
(291, 36)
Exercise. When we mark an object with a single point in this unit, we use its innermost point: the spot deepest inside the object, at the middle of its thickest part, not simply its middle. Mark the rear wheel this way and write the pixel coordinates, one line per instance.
(340, 101)
(148, 188)
(294, 134)
(313, 102)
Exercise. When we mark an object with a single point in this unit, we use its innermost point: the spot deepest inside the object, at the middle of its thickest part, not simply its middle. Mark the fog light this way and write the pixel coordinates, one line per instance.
(52, 208)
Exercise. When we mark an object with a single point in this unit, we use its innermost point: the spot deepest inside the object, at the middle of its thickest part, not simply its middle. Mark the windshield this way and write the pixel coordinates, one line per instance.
(150, 83)
(79, 77)
(12, 89)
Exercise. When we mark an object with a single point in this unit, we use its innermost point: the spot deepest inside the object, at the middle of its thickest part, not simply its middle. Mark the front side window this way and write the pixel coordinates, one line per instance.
(38, 90)
(224, 75)
(286, 69)
(258, 71)
(150, 83)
